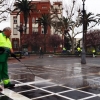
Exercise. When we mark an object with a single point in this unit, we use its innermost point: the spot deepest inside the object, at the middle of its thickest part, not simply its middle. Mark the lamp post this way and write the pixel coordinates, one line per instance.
(20, 28)
(83, 54)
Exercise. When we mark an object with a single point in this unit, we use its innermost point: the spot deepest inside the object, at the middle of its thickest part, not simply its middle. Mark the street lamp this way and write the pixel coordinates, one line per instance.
(83, 54)
(20, 28)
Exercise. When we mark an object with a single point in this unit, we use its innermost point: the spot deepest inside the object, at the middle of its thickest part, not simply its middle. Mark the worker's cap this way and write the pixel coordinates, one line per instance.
(2, 50)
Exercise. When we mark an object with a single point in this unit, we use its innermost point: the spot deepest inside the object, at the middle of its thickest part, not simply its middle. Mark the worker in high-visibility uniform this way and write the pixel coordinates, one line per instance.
(93, 51)
(79, 50)
(64, 50)
(6, 44)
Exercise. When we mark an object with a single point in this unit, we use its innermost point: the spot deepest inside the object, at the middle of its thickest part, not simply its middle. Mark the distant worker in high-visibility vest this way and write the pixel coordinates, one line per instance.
(64, 50)
(6, 48)
(93, 52)
(79, 50)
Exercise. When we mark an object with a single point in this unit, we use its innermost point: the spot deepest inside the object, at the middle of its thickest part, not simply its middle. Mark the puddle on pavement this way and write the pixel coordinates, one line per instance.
(85, 83)
(22, 88)
(74, 82)
(92, 89)
(34, 67)
(24, 77)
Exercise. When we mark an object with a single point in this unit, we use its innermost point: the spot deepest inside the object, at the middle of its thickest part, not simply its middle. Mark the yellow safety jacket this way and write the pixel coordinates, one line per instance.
(93, 51)
(64, 49)
(79, 49)
(4, 41)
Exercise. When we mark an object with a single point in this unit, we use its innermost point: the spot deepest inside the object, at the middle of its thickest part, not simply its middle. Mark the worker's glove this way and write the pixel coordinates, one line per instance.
(13, 55)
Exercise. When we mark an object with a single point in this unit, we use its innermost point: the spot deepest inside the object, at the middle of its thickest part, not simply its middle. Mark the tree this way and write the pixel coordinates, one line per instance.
(55, 40)
(67, 24)
(93, 39)
(88, 18)
(67, 44)
(25, 7)
(45, 21)
(5, 9)
(31, 40)
(72, 19)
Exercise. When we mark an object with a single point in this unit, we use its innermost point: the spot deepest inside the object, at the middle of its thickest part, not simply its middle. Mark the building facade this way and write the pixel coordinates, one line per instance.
(17, 23)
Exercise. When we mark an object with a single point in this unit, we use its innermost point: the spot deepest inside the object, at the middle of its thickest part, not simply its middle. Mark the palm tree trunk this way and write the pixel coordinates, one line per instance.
(44, 43)
(72, 45)
(45, 31)
(25, 20)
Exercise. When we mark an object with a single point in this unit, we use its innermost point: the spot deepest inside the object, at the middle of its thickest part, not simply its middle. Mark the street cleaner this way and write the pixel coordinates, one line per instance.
(93, 52)
(5, 50)
(79, 50)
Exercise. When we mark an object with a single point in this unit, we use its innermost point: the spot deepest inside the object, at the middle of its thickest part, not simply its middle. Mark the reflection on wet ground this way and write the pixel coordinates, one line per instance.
(43, 84)
(24, 77)
(69, 82)
(56, 81)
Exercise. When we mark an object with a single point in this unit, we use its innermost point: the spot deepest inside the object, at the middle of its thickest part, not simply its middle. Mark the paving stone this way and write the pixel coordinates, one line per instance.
(57, 89)
(34, 93)
(53, 97)
(75, 94)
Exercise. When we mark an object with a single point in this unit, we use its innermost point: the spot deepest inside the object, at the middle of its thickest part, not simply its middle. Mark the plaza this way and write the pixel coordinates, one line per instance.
(53, 78)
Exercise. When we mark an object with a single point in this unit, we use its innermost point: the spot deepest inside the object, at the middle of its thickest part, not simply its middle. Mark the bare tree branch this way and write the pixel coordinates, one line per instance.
(5, 9)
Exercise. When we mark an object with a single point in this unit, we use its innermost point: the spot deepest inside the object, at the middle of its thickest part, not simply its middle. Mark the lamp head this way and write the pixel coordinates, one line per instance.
(83, 0)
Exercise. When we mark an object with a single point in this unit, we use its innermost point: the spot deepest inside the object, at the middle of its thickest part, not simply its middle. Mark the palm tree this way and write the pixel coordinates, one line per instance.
(69, 25)
(88, 18)
(45, 21)
(25, 7)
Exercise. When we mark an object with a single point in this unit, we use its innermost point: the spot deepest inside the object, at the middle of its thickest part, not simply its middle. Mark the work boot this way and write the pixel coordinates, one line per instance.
(9, 86)
(1, 88)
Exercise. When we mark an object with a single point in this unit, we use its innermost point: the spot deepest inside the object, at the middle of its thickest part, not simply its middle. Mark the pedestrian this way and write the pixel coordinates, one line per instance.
(5, 43)
(40, 52)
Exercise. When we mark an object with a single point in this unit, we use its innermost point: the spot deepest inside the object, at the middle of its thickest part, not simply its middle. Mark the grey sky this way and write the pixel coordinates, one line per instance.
(90, 6)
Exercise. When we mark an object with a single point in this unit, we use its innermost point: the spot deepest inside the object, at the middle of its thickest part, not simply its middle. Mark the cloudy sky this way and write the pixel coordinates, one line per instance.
(90, 6)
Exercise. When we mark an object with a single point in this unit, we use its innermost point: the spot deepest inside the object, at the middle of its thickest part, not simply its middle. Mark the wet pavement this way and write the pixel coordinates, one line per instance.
(54, 78)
